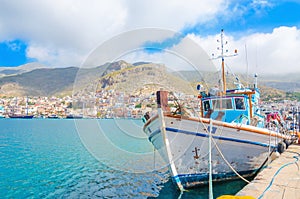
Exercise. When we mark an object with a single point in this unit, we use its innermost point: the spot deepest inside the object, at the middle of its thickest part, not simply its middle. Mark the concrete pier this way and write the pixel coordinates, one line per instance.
(281, 178)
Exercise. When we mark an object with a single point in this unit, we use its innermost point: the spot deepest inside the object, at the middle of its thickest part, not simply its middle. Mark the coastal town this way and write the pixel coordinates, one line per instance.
(109, 104)
(103, 104)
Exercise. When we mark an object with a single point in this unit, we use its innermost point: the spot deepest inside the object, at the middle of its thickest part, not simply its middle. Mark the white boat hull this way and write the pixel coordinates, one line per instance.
(177, 141)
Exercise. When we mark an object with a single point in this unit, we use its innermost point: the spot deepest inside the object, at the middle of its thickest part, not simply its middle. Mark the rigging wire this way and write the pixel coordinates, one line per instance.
(277, 172)
(225, 160)
(220, 152)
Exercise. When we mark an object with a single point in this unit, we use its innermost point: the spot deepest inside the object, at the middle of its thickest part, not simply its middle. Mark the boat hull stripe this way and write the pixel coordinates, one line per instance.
(174, 130)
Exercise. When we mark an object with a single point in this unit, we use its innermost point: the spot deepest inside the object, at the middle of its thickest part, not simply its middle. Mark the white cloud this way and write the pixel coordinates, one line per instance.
(149, 44)
(56, 29)
(261, 4)
(172, 14)
(62, 33)
(274, 53)
(267, 53)
(58, 57)
(13, 46)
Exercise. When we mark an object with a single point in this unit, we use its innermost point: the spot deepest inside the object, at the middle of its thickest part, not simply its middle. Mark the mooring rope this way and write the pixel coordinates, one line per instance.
(244, 179)
(218, 149)
(210, 161)
(277, 172)
(154, 157)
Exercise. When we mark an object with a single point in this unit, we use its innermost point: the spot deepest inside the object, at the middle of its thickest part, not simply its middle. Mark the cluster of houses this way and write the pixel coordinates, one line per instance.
(104, 104)
(114, 104)
(37, 106)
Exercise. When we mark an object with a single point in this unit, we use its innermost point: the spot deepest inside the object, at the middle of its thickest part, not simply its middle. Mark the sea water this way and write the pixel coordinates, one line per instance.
(86, 158)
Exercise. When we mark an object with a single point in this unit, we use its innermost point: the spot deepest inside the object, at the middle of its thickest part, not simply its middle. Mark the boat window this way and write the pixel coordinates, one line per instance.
(224, 103)
(206, 105)
(239, 103)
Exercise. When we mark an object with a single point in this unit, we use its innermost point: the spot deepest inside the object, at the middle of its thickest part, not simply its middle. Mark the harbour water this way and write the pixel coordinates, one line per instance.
(86, 158)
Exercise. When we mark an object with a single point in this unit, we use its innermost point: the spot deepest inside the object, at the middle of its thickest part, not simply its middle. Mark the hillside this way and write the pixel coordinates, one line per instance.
(7, 71)
(54, 81)
(40, 82)
(271, 88)
(144, 77)
(126, 77)
(285, 82)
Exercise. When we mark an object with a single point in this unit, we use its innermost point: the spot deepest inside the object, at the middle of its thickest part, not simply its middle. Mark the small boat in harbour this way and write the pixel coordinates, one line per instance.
(53, 116)
(228, 139)
(20, 116)
(73, 116)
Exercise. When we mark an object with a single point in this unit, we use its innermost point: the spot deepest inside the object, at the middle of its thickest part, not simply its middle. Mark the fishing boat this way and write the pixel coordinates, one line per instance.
(227, 139)
(19, 115)
(72, 116)
(53, 116)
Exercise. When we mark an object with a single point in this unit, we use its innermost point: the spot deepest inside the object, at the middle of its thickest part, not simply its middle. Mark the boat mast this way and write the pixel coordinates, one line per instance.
(26, 105)
(223, 64)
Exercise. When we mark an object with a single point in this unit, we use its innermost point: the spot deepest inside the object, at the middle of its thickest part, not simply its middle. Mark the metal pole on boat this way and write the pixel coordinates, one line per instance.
(269, 151)
(209, 161)
(298, 114)
(223, 65)
(296, 119)
(222, 56)
(27, 105)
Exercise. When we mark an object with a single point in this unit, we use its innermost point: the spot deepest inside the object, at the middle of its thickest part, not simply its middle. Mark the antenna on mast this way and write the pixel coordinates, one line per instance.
(247, 74)
(222, 58)
(255, 80)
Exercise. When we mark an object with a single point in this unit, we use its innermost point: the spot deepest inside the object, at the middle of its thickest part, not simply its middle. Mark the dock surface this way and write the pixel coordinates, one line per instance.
(280, 179)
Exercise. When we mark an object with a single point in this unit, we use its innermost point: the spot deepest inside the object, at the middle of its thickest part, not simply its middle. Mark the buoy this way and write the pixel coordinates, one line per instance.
(281, 147)
(288, 143)
(275, 155)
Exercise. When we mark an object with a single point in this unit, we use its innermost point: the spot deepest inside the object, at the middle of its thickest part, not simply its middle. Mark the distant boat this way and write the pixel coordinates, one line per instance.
(72, 116)
(17, 116)
(53, 116)
(229, 130)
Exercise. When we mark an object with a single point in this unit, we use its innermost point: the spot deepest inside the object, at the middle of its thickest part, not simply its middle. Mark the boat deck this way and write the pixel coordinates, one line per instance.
(281, 179)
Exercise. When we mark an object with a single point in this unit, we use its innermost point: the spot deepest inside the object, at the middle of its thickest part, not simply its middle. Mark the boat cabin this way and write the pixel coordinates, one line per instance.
(239, 106)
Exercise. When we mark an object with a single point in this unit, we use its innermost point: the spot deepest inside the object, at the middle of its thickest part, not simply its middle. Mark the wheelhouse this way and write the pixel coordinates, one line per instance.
(225, 108)
(236, 106)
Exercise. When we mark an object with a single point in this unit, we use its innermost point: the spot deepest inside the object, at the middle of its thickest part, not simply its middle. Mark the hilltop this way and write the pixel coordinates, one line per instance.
(39, 82)
(136, 78)
(120, 75)
(50, 81)
(6, 71)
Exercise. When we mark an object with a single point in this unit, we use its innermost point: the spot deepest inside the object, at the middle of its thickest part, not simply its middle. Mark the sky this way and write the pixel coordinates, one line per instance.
(61, 33)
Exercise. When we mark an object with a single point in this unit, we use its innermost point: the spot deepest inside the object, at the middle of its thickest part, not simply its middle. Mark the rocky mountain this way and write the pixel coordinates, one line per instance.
(7, 71)
(119, 75)
(53, 81)
(38, 80)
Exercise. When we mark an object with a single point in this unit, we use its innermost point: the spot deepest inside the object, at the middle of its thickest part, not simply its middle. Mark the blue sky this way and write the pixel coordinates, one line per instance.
(260, 18)
(62, 33)
(13, 53)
